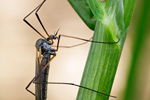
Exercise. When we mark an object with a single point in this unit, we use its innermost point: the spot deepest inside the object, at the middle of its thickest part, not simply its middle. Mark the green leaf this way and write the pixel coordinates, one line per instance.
(83, 10)
(129, 6)
(100, 13)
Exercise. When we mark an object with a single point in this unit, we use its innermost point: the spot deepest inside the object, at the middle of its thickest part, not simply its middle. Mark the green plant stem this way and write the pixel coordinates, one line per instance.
(101, 66)
(112, 24)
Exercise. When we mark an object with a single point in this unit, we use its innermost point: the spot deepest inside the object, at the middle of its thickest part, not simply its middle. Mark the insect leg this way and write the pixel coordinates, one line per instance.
(29, 85)
(86, 41)
(69, 46)
(36, 13)
(30, 24)
(36, 77)
(76, 86)
(38, 58)
(89, 40)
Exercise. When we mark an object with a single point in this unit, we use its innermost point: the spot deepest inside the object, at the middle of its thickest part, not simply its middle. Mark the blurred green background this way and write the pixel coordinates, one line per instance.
(138, 80)
(17, 51)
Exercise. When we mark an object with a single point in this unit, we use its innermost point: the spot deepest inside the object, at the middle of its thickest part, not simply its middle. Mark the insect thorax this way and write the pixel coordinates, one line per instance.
(43, 44)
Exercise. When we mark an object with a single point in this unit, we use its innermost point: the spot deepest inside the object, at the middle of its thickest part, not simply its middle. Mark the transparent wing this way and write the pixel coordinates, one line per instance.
(37, 71)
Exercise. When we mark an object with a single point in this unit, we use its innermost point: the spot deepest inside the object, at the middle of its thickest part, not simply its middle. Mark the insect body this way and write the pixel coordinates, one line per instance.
(45, 54)
(43, 58)
(44, 48)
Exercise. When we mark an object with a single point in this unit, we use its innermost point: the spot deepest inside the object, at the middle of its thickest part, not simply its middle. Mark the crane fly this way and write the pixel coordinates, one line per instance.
(45, 54)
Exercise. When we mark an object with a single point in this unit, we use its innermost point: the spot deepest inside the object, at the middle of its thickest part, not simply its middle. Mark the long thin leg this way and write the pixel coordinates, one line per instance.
(58, 43)
(79, 43)
(70, 46)
(36, 77)
(36, 13)
(75, 85)
(89, 40)
(30, 24)
(38, 58)
(29, 85)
